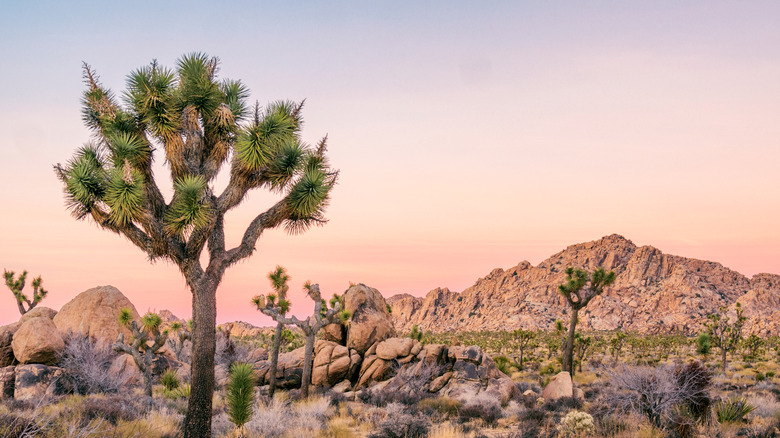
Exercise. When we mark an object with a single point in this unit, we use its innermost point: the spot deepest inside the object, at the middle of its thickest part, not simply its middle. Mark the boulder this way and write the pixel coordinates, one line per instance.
(38, 312)
(559, 386)
(94, 313)
(6, 350)
(7, 377)
(392, 348)
(36, 380)
(37, 341)
(289, 370)
(371, 321)
(333, 363)
(374, 369)
(342, 386)
(335, 333)
(125, 369)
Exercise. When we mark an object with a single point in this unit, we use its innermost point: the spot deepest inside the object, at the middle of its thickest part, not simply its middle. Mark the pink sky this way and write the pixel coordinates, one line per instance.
(491, 137)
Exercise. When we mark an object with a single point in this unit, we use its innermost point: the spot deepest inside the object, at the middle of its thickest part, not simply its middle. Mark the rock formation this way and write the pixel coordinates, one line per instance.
(654, 292)
(94, 313)
(37, 341)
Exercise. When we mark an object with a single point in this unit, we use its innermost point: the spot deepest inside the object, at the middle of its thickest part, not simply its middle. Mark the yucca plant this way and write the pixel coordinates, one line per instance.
(240, 393)
(321, 317)
(17, 284)
(170, 380)
(733, 410)
(146, 343)
(202, 124)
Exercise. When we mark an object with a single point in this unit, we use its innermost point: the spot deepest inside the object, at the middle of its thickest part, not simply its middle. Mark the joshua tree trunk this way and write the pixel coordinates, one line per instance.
(521, 359)
(723, 360)
(307, 363)
(274, 359)
(204, 336)
(569, 350)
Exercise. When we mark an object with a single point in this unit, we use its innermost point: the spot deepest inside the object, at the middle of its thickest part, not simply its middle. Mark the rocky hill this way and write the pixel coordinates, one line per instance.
(653, 292)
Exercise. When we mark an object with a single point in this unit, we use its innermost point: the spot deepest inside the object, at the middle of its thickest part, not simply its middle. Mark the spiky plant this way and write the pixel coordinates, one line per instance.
(321, 317)
(240, 393)
(578, 296)
(17, 285)
(279, 279)
(202, 124)
(146, 343)
(183, 333)
(524, 340)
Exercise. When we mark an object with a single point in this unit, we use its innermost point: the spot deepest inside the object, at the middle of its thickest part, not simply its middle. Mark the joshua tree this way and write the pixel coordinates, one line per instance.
(278, 300)
(310, 326)
(753, 346)
(203, 125)
(184, 333)
(616, 345)
(524, 339)
(140, 348)
(703, 344)
(416, 334)
(725, 334)
(578, 296)
(16, 286)
(581, 345)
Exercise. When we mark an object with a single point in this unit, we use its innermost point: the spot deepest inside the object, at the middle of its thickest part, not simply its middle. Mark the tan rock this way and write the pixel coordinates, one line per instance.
(335, 333)
(333, 363)
(373, 369)
(392, 348)
(438, 383)
(94, 313)
(560, 386)
(37, 341)
(371, 322)
(34, 381)
(6, 350)
(38, 312)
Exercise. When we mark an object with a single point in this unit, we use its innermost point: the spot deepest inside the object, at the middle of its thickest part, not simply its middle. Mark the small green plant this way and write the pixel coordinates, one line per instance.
(240, 394)
(504, 364)
(760, 377)
(770, 374)
(733, 411)
(169, 380)
(703, 344)
(183, 391)
(416, 334)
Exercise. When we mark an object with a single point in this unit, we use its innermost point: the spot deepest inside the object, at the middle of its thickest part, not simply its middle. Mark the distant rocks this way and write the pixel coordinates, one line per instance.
(653, 293)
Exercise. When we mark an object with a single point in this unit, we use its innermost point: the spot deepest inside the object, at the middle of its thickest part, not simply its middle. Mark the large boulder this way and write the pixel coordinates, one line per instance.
(36, 380)
(7, 377)
(371, 321)
(6, 350)
(37, 341)
(559, 386)
(333, 363)
(94, 313)
(392, 348)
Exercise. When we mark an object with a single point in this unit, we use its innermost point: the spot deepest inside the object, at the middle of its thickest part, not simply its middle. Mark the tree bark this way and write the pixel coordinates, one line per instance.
(204, 335)
(568, 355)
(723, 360)
(274, 359)
(307, 363)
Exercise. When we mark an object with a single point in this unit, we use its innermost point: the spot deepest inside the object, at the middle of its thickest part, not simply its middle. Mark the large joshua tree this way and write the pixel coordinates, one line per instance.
(202, 124)
(578, 294)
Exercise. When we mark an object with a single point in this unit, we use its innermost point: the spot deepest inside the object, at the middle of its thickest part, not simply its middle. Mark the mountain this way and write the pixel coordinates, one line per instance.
(653, 293)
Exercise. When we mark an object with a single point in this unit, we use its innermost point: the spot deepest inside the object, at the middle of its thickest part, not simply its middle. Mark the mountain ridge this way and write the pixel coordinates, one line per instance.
(653, 292)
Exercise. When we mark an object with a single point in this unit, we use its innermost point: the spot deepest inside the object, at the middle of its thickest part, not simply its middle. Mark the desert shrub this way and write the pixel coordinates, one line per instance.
(766, 405)
(563, 404)
(733, 410)
(482, 406)
(525, 386)
(760, 377)
(15, 425)
(576, 424)
(170, 380)
(504, 364)
(388, 395)
(88, 364)
(660, 393)
(182, 391)
(402, 426)
(112, 409)
(280, 417)
(271, 419)
(443, 405)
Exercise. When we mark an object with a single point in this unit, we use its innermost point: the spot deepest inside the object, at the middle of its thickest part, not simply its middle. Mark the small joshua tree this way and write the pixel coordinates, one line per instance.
(524, 340)
(616, 345)
(278, 300)
(240, 394)
(581, 345)
(140, 348)
(724, 333)
(184, 333)
(416, 334)
(16, 286)
(578, 297)
(310, 326)
(753, 346)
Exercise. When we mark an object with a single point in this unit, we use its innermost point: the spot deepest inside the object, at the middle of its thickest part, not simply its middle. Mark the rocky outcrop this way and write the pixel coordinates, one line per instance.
(36, 380)
(761, 305)
(653, 292)
(289, 370)
(7, 378)
(333, 363)
(37, 341)
(370, 322)
(94, 313)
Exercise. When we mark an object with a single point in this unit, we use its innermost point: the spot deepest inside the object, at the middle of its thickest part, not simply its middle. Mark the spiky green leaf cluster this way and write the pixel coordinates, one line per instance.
(240, 393)
(125, 317)
(151, 322)
(125, 195)
(189, 208)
